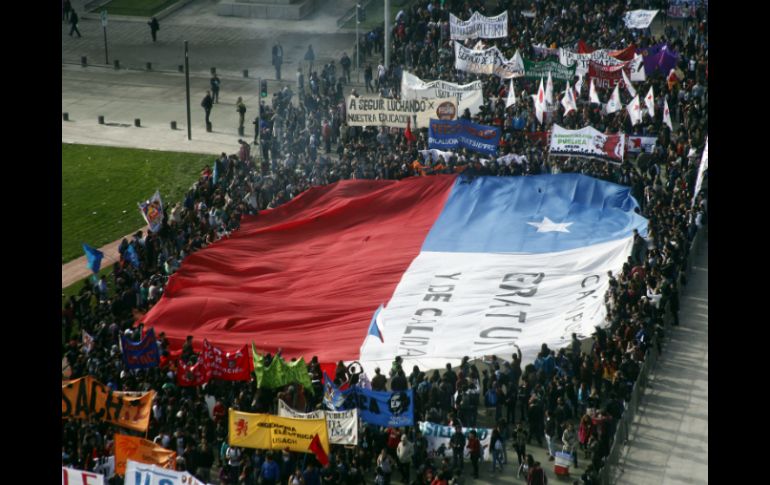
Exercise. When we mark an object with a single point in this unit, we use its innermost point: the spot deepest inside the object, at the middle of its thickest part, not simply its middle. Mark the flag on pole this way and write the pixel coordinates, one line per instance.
(592, 96)
(549, 90)
(635, 110)
(649, 101)
(94, 257)
(667, 115)
(578, 87)
(408, 132)
(333, 398)
(614, 103)
(630, 88)
(511, 100)
(318, 450)
(568, 101)
(152, 211)
(539, 100)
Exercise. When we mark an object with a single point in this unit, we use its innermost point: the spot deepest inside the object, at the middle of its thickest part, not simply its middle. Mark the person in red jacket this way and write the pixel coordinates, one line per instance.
(536, 475)
(474, 445)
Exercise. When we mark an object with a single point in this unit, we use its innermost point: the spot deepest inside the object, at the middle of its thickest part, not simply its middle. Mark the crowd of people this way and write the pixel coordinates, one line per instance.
(567, 399)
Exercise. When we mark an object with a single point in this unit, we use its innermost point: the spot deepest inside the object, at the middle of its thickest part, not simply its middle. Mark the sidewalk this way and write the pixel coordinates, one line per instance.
(668, 442)
(227, 43)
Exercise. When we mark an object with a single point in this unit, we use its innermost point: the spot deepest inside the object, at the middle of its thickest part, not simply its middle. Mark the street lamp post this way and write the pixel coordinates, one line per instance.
(187, 84)
(387, 33)
(358, 43)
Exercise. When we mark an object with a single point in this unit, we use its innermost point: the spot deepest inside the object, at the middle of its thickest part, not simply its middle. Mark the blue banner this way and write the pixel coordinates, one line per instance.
(388, 408)
(143, 354)
(449, 135)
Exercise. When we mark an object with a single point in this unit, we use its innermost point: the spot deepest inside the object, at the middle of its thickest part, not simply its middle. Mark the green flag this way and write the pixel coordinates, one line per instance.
(280, 373)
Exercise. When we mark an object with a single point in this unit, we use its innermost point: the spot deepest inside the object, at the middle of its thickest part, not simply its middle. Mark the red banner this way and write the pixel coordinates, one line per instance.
(606, 76)
(192, 375)
(228, 366)
(624, 54)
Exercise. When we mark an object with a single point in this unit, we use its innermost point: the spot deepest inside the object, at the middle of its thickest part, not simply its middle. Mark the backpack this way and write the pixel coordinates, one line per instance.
(491, 398)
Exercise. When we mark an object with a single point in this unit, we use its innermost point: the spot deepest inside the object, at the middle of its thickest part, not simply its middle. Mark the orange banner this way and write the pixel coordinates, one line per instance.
(86, 398)
(143, 451)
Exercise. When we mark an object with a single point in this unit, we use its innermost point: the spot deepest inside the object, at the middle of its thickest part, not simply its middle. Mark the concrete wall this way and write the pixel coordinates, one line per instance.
(266, 9)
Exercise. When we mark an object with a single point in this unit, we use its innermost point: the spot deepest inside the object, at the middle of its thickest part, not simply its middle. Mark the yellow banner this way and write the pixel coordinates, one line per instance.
(86, 398)
(269, 432)
(143, 451)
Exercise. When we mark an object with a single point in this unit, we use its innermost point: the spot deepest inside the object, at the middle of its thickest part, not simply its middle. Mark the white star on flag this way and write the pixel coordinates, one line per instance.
(549, 226)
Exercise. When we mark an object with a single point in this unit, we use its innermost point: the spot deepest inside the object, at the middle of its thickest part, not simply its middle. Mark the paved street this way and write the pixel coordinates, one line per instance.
(668, 443)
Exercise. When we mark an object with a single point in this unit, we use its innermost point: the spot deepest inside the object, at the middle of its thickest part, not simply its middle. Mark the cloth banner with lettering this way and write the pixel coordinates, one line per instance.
(470, 96)
(638, 144)
(143, 354)
(376, 111)
(488, 61)
(462, 133)
(143, 474)
(537, 70)
(72, 476)
(228, 366)
(152, 212)
(639, 19)
(580, 61)
(280, 373)
(382, 408)
(86, 398)
(438, 436)
(141, 450)
(606, 76)
(342, 426)
(269, 432)
(587, 142)
(478, 26)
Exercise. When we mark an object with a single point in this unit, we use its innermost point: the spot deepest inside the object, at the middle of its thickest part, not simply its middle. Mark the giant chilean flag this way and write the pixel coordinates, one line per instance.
(464, 267)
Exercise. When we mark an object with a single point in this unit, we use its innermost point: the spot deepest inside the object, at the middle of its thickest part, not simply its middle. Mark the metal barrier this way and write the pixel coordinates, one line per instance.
(607, 474)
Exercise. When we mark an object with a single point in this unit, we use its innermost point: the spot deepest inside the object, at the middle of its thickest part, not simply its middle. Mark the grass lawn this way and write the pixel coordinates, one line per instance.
(101, 187)
(139, 8)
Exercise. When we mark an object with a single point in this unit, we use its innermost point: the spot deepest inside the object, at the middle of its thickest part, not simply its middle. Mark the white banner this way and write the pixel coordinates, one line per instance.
(72, 476)
(434, 154)
(342, 425)
(569, 298)
(376, 111)
(638, 144)
(438, 435)
(639, 19)
(478, 26)
(475, 61)
(599, 56)
(587, 142)
(141, 474)
(488, 61)
(470, 96)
